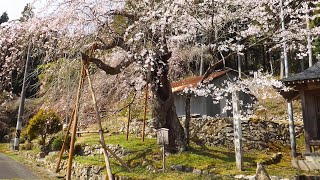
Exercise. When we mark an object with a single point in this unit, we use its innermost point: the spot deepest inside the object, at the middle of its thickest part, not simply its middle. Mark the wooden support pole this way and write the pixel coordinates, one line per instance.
(105, 153)
(84, 132)
(187, 121)
(145, 111)
(75, 122)
(65, 140)
(129, 118)
(115, 156)
(164, 158)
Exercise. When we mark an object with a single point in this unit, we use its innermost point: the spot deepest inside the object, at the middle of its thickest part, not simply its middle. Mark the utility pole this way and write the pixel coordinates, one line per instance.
(286, 69)
(21, 105)
(309, 41)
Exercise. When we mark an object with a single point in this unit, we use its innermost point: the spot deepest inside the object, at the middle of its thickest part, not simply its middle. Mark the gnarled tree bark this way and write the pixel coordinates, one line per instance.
(163, 107)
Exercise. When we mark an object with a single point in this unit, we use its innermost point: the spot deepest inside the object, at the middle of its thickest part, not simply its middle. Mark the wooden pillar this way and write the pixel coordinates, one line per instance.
(305, 124)
(187, 121)
(129, 119)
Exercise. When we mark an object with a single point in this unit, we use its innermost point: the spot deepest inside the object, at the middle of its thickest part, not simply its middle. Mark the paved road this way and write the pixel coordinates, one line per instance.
(11, 169)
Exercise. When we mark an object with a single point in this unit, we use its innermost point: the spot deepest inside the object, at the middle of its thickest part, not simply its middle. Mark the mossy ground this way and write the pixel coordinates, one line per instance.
(216, 160)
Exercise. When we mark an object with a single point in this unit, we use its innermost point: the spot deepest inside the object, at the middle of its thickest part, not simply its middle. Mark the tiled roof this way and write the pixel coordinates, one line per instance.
(179, 86)
(311, 73)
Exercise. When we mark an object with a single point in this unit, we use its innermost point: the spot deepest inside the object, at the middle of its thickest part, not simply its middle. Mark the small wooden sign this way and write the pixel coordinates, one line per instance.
(163, 136)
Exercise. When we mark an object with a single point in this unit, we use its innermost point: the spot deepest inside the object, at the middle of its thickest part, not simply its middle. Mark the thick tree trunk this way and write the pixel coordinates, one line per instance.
(164, 112)
(163, 108)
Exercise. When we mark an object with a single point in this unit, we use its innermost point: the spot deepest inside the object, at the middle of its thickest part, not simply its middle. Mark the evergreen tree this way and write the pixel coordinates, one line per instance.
(27, 12)
(4, 17)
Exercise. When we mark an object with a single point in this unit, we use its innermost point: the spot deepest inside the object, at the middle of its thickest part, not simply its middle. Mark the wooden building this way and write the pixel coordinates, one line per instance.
(204, 106)
(306, 86)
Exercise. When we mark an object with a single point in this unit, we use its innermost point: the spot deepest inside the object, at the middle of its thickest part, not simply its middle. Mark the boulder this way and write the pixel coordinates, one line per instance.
(261, 173)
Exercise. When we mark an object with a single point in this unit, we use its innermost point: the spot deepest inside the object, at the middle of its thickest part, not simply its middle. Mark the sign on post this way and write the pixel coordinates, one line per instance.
(163, 139)
(163, 136)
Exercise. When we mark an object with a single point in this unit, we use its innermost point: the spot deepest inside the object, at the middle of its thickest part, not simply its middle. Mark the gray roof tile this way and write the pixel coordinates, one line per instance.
(311, 73)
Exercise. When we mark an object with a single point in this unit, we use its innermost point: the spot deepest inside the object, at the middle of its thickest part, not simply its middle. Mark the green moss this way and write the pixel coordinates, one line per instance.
(217, 160)
(90, 160)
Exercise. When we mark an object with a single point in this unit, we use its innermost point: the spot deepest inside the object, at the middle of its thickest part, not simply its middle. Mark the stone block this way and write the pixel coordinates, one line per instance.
(197, 171)
(306, 165)
(312, 158)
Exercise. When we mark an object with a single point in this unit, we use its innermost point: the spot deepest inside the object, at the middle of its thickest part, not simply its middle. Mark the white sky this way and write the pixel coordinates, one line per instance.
(13, 7)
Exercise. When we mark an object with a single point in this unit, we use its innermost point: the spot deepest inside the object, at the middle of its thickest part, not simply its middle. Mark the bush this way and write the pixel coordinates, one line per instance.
(27, 146)
(43, 123)
(23, 136)
(78, 150)
(58, 142)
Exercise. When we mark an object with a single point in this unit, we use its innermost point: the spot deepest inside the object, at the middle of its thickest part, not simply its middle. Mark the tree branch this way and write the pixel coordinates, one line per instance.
(130, 16)
(105, 67)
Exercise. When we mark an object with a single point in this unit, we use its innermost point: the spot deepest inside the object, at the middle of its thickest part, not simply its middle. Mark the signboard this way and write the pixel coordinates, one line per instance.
(163, 136)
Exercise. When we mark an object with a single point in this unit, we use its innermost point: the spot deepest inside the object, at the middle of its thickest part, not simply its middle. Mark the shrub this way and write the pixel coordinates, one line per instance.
(27, 146)
(58, 142)
(43, 123)
(23, 136)
(78, 150)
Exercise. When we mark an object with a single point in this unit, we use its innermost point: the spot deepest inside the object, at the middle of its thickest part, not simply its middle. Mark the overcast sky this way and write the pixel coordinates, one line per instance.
(13, 7)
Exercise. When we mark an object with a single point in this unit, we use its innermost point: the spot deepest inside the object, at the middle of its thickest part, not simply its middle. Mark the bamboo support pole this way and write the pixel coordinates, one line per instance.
(115, 156)
(129, 118)
(84, 132)
(64, 141)
(145, 112)
(75, 122)
(105, 153)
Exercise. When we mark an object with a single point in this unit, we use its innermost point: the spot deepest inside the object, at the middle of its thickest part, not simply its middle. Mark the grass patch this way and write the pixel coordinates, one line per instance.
(217, 160)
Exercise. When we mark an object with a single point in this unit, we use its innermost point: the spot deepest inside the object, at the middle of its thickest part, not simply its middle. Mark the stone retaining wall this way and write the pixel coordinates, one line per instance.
(258, 135)
(79, 171)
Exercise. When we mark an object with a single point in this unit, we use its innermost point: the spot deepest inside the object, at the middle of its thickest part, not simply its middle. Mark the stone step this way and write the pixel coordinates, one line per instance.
(306, 165)
(312, 158)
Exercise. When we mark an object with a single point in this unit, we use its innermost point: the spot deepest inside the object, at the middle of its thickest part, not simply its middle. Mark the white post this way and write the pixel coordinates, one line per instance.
(286, 68)
(309, 41)
(201, 65)
(21, 105)
(239, 65)
(270, 61)
(237, 130)
(284, 44)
